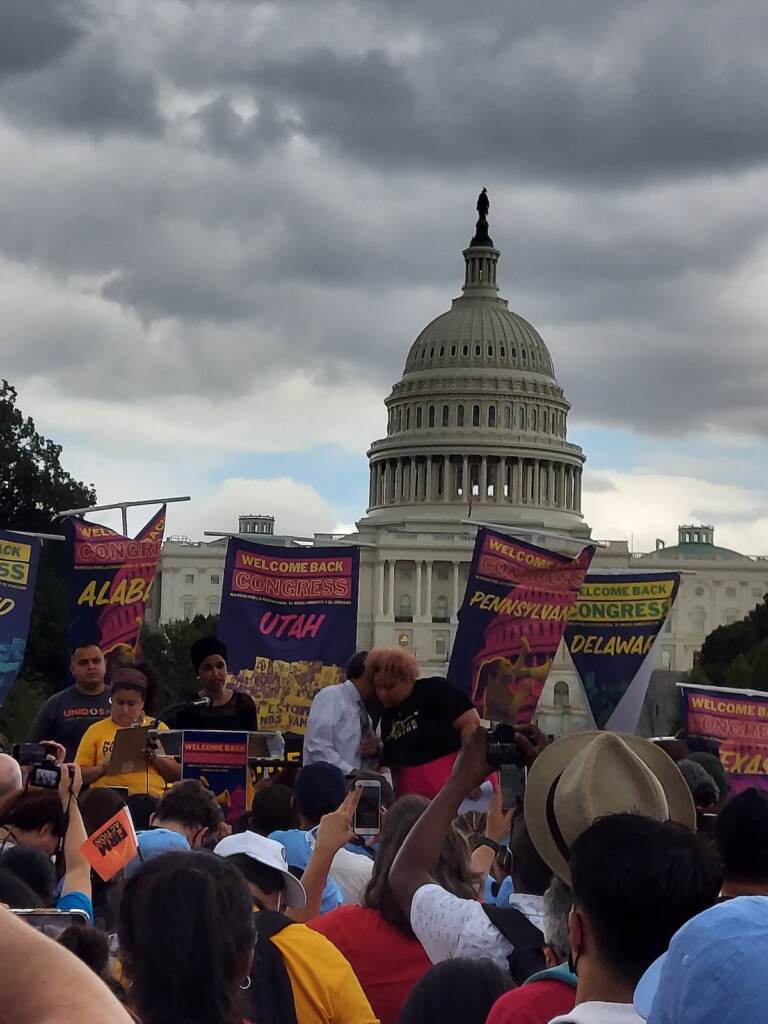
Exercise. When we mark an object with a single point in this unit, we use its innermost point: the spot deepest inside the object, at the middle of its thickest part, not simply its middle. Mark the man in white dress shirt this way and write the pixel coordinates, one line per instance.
(339, 728)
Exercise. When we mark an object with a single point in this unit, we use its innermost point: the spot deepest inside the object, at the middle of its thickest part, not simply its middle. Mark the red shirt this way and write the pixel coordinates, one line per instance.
(387, 964)
(535, 1003)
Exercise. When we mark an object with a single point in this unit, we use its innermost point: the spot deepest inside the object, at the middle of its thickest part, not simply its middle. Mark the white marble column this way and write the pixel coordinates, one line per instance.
(446, 478)
(391, 590)
(465, 479)
(578, 489)
(518, 482)
(418, 612)
(483, 481)
(537, 482)
(428, 608)
(380, 573)
(551, 493)
(456, 567)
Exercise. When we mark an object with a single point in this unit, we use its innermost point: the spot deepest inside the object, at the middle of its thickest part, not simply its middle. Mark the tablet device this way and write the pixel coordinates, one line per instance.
(128, 751)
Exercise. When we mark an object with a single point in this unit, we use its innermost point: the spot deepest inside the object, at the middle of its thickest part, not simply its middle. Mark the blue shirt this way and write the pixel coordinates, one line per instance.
(76, 901)
(298, 847)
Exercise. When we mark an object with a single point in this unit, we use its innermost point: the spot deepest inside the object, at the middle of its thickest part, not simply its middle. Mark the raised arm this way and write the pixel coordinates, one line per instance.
(78, 871)
(420, 852)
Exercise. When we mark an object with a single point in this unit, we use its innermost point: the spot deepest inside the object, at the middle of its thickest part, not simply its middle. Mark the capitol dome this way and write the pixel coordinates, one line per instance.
(478, 418)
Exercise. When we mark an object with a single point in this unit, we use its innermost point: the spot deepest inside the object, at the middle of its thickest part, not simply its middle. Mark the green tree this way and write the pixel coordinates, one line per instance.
(759, 667)
(726, 644)
(166, 650)
(739, 673)
(33, 488)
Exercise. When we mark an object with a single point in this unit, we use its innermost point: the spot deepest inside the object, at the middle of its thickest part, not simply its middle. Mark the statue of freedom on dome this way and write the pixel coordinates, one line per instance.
(481, 237)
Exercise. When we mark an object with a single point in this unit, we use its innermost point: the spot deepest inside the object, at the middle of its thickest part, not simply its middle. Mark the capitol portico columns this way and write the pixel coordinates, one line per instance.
(428, 609)
(456, 568)
(418, 612)
(380, 572)
(391, 589)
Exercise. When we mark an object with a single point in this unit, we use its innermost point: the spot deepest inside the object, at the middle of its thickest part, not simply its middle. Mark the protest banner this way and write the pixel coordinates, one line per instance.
(112, 847)
(511, 622)
(610, 634)
(19, 557)
(289, 620)
(738, 721)
(110, 582)
(219, 760)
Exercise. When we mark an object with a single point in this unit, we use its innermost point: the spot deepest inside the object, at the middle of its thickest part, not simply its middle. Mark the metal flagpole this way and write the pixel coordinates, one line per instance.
(39, 536)
(123, 506)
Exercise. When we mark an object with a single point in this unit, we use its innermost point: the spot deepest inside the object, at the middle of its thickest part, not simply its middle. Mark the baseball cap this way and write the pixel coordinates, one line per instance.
(269, 853)
(154, 842)
(713, 971)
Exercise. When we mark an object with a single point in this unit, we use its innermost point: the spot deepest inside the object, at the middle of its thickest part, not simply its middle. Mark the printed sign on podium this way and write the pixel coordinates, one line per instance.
(219, 760)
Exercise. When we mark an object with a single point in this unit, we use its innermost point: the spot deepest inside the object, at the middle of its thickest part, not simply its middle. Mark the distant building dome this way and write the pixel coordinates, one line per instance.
(478, 418)
(697, 542)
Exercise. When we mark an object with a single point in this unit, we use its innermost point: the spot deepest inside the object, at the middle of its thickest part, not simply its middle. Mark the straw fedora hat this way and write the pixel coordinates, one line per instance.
(589, 775)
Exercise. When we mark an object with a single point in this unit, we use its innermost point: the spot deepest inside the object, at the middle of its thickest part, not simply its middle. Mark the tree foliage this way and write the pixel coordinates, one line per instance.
(166, 650)
(737, 655)
(33, 488)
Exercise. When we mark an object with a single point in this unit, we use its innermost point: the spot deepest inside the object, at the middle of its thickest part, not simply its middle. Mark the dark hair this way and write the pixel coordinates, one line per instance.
(356, 665)
(85, 642)
(320, 789)
(33, 868)
(33, 811)
(97, 806)
(531, 873)
(198, 911)
(190, 803)
(142, 806)
(272, 810)
(638, 880)
(89, 945)
(267, 879)
(460, 991)
(16, 893)
(704, 789)
(742, 836)
(452, 872)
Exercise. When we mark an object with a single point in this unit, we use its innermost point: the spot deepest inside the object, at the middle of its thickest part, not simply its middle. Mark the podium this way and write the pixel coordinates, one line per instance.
(222, 761)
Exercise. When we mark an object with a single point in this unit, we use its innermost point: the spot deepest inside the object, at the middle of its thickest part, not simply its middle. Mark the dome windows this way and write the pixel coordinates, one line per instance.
(408, 418)
(419, 417)
(442, 351)
(475, 415)
(453, 351)
(431, 421)
(445, 415)
(491, 415)
(477, 350)
(508, 416)
(490, 350)
(503, 352)
(465, 350)
(432, 353)
(514, 352)
(460, 416)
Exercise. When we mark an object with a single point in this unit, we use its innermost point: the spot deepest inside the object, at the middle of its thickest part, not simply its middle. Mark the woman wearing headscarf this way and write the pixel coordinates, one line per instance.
(229, 709)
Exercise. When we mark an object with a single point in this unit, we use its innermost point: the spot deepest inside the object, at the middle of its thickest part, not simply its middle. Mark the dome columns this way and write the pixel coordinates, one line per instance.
(518, 480)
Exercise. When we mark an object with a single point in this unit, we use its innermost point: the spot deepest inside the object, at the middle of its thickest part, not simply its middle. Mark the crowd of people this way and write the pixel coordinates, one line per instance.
(626, 885)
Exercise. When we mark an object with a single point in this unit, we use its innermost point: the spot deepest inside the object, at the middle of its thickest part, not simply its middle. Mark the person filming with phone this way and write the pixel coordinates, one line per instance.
(128, 710)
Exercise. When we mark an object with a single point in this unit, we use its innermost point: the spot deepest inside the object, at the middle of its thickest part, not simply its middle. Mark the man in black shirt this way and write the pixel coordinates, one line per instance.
(65, 716)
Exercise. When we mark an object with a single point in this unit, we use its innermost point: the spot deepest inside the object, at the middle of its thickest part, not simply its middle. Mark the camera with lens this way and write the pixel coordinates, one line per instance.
(40, 759)
(502, 749)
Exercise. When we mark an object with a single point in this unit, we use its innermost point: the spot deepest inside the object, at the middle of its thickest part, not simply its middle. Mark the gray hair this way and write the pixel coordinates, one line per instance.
(558, 901)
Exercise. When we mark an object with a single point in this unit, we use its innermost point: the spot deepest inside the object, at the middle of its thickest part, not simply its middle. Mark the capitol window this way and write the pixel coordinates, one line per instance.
(502, 352)
(477, 350)
(215, 579)
(408, 418)
(441, 610)
(490, 350)
(465, 350)
(475, 415)
(508, 416)
(189, 609)
(460, 416)
(419, 416)
(431, 422)
(561, 694)
(491, 415)
(189, 578)
(445, 415)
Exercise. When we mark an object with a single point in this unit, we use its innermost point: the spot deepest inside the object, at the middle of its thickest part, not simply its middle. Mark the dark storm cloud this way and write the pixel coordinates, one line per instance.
(35, 32)
(247, 189)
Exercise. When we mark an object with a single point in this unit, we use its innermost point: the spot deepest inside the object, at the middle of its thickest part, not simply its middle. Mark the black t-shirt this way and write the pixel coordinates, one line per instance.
(420, 729)
(65, 717)
(237, 715)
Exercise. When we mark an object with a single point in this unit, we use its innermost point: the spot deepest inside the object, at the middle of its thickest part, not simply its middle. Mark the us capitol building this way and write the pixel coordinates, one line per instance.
(477, 434)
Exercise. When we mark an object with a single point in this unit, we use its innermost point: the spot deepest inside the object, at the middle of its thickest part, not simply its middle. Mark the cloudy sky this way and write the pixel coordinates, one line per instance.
(223, 223)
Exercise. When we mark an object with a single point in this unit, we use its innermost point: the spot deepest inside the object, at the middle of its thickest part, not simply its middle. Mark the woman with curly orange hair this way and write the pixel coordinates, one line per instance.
(424, 722)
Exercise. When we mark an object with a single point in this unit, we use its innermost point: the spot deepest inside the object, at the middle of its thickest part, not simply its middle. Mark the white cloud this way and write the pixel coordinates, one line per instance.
(643, 506)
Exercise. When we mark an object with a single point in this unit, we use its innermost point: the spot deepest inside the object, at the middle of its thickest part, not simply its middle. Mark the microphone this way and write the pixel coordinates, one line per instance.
(201, 702)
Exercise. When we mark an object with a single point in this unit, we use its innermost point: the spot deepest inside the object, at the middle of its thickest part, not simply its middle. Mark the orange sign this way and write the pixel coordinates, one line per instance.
(111, 847)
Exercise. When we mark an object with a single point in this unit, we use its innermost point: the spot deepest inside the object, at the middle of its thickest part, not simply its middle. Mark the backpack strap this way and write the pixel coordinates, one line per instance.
(271, 994)
(527, 956)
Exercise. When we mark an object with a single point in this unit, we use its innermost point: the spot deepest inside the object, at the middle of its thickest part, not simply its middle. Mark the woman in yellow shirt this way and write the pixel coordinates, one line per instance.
(129, 694)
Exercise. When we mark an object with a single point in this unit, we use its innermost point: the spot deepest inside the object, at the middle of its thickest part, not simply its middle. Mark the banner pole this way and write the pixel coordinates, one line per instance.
(38, 536)
(124, 505)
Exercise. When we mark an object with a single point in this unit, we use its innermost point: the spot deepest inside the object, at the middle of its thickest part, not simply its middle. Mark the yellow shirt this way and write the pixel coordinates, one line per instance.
(325, 988)
(98, 741)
